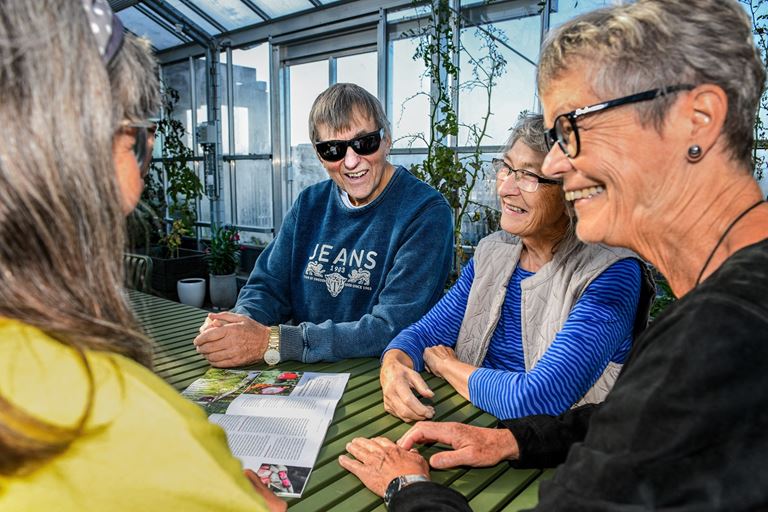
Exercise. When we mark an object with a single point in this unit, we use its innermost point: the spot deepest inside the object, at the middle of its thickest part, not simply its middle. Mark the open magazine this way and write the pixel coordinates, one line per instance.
(275, 420)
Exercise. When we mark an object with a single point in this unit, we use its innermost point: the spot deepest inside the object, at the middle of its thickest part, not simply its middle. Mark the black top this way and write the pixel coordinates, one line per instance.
(686, 425)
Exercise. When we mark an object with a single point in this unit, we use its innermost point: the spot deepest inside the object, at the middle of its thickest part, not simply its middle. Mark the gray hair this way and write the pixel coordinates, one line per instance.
(61, 221)
(530, 131)
(657, 43)
(336, 106)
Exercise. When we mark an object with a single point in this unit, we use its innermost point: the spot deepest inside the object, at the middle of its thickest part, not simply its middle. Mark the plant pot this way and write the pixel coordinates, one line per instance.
(191, 291)
(223, 291)
(248, 256)
(166, 271)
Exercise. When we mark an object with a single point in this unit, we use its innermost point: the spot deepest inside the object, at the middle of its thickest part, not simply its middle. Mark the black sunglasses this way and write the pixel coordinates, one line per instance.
(566, 133)
(334, 150)
(143, 134)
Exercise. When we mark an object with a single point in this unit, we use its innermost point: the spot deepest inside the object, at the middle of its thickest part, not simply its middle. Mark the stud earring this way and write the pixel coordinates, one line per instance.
(695, 153)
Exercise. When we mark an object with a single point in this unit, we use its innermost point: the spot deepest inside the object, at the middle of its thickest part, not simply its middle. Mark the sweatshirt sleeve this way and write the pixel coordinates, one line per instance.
(414, 283)
(598, 327)
(265, 296)
(441, 324)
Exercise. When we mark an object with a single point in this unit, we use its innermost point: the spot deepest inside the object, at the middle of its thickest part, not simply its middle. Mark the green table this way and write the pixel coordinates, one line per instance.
(359, 413)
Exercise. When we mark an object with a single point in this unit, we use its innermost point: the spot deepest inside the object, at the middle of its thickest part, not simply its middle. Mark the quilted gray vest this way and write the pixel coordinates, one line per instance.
(546, 300)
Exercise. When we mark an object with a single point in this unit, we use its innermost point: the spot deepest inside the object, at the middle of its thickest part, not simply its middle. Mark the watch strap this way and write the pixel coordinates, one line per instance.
(400, 482)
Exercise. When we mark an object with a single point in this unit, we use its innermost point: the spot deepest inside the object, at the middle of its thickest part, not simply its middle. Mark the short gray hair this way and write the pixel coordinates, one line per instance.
(335, 107)
(658, 43)
(530, 131)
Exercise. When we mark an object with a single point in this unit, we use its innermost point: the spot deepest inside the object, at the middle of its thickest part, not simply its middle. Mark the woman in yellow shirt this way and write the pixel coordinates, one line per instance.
(84, 425)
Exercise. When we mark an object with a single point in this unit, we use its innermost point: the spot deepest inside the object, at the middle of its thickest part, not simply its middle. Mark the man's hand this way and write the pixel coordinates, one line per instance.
(379, 461)
(397, 381)
(472, 446)
(274, 504)
(210, 323)
(232, 340)
(435, 359)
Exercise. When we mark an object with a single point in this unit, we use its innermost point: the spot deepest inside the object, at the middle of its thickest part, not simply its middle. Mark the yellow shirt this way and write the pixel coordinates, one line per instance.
(144, 448)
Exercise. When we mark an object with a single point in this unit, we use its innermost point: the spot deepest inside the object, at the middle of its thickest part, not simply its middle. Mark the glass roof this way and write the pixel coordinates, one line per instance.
(140, 24)
(214, 17)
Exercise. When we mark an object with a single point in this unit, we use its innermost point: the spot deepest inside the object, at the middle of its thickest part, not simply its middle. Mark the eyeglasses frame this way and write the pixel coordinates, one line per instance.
(550, 135)
(144, 130)
(511, 171)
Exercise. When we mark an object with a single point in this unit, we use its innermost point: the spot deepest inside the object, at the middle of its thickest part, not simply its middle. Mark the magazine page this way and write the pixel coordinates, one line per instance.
(275, 421)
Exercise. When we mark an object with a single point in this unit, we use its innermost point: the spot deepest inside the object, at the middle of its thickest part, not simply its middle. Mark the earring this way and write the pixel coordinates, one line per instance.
(695, 153)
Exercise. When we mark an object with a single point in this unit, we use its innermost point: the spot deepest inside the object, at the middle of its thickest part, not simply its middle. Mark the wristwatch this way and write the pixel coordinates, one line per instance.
(399, 483)
(272, 354)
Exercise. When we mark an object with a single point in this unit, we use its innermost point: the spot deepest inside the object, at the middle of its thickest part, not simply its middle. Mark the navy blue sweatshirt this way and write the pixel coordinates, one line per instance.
(350, 279)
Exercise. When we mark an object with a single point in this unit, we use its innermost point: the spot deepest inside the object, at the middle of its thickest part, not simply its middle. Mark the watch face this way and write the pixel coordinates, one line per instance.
(392, 488)
(271, 357)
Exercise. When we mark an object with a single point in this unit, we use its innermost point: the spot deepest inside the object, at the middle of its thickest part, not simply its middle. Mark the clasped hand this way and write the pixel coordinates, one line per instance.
(230, 339)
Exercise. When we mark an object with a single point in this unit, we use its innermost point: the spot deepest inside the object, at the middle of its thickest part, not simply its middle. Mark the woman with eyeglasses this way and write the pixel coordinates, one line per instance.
(84, 423)
(652, 103)
(537, 321)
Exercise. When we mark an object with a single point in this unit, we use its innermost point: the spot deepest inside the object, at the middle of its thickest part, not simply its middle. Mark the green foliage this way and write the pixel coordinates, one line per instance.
(758, 13)
(173, 239)
(664, 296)
(184, 188)
(223, 252)
(455, 175)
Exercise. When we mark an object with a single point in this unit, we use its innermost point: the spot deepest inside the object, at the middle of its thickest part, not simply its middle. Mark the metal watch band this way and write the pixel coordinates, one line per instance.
(399, 483)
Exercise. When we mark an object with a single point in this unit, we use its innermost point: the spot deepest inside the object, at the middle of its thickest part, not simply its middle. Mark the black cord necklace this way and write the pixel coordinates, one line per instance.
(722, 237)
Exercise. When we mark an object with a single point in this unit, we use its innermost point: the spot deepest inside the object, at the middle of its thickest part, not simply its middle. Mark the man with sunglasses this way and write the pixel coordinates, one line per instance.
(358, 258)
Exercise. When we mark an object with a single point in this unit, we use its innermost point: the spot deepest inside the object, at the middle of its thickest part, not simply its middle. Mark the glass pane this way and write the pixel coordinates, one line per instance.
(567, 9)
(177, 77)
(253, 186)
(193, 17)
(361, 69)
(306, 168)
(515, 90)
(283, 7)
(410, 95)
(303, 92)
(407, 13)
(231, 14)
(141, 25)
(251, 97)
(482, 221)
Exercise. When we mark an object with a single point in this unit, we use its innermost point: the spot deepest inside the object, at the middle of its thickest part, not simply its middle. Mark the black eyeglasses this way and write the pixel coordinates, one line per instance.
(566, 133)
(142, 149)
(334, 150)
(525, 180)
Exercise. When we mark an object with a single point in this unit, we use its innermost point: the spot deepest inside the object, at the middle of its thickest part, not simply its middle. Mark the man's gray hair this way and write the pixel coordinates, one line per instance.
(336, 107)
(658, 43)
(530, 131)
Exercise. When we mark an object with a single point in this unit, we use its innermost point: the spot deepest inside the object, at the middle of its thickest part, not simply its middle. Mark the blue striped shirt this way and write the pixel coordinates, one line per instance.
(598, 330)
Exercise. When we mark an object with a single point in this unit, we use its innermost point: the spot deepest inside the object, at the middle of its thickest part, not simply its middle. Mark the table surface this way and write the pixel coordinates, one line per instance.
(173, 326)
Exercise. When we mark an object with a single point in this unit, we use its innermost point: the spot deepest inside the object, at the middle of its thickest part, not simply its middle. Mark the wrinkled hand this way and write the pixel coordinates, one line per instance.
(472, 446)
(379, 460)
(232, 340)
(274, 504)
(210, 322)
(436, 357)
(397, 381)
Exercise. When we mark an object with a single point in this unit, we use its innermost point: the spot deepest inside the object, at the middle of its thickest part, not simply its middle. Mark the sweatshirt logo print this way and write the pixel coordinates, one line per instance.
(336, 278)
